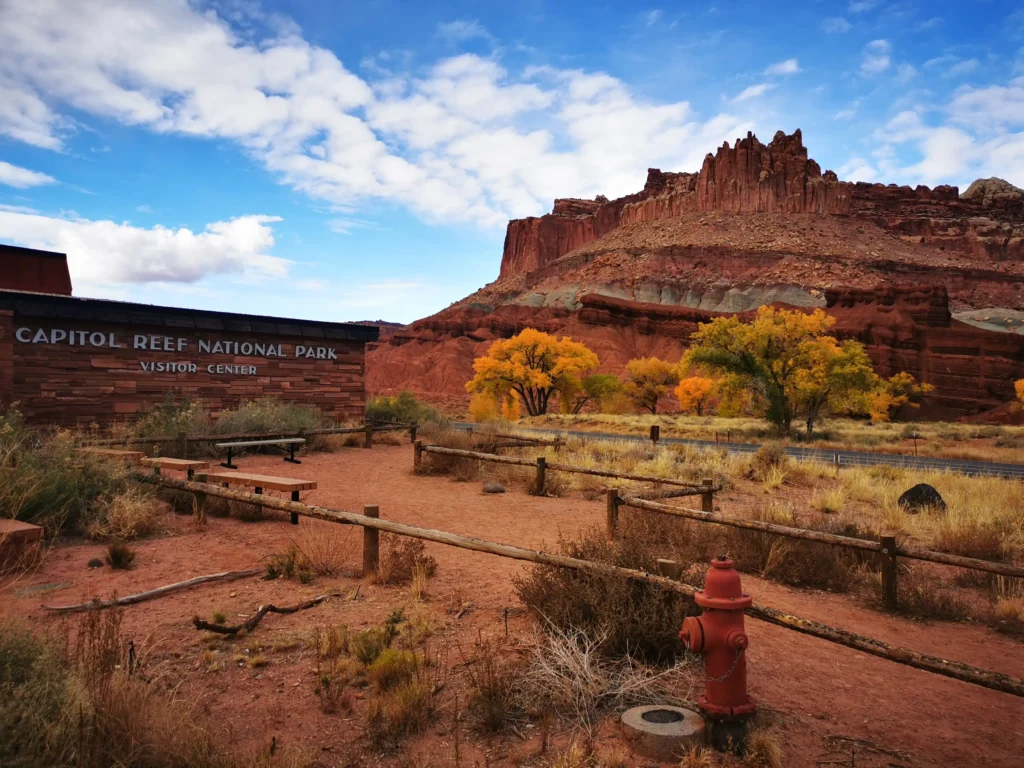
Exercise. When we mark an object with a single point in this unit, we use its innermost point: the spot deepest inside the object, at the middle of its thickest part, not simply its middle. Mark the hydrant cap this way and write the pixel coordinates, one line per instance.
(722, 588)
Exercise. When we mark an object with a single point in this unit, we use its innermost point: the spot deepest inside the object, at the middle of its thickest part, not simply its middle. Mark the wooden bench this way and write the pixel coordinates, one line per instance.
(188, 466)
(291, 442)
(259, 482)
(113, 453)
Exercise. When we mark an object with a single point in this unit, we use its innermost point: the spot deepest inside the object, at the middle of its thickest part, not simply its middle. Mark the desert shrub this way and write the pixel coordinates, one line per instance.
(119, 555)
(459, 467)
(171, 417)
(492, 688)
(972, 537)
(401, 558)
(405, 408)
(922, 595)
(627, 616)
(268, 415)
(392, 668)
(289, 564)
(770, 456)
(44, 481)
(400, 711)
(369, 644)
(87, 705)
(324, 548)
(132, 512)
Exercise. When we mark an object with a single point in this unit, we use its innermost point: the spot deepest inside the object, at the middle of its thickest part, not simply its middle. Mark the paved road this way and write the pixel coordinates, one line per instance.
(845, 458)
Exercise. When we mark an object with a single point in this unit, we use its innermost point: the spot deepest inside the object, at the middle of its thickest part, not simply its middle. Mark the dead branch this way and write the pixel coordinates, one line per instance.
(96, 604)
(250, 624)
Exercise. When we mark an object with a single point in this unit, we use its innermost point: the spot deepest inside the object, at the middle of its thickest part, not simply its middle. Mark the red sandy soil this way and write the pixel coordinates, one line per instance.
(819, 693)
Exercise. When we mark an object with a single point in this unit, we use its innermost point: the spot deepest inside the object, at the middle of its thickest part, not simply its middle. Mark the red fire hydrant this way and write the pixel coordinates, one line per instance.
(718, 635)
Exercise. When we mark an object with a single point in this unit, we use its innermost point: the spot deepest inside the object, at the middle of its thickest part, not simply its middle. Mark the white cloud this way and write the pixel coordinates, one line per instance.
(905, 73)
(847, 112)
(962, 68)
(16, 176)
(875, 58)
(104, 252)
(857, 169)
(457, 141)
(460, 30)
(653, 17)
(836, 25)
(787, 67)
(753, 91)
(987, 108)
(860, 6)
(143, 209)
(933, 23)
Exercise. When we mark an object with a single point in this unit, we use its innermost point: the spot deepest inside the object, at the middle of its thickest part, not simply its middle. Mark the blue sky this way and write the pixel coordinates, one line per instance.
(354, 160)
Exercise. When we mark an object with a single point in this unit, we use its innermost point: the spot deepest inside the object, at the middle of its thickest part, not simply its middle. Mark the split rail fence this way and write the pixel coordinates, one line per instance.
(182, 439)
(372, 524)
(887, 548)
(542, 466)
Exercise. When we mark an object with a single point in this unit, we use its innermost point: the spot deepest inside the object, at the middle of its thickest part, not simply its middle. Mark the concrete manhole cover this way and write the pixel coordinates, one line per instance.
(662, 716)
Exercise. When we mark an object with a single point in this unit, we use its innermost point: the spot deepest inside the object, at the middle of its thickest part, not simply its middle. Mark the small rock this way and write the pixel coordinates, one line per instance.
(95, 563)
(494, 487)
(921, 496)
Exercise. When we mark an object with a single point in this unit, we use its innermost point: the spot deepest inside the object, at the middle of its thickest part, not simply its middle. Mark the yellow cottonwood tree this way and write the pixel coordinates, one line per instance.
(533, 365)
(788, 362)
(650, 379)
(898, 390)
(694, 394)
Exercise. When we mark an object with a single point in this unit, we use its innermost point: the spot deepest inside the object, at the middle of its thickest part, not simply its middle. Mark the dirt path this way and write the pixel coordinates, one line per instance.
(892, 715)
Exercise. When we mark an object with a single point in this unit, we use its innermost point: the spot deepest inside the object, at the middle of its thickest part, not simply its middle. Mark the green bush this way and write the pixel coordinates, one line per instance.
(267, 415)
(405, 408)
(44, 481)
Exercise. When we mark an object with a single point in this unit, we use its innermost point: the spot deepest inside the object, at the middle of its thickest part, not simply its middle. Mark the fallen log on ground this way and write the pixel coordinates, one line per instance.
(151, 594)
(250, 624)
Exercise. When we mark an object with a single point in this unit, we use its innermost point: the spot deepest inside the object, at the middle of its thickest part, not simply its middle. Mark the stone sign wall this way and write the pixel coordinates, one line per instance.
(73, 361)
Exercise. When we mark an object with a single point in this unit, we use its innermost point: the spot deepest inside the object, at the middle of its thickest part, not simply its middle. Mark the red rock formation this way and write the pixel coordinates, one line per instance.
(759, 223)
(778, 177)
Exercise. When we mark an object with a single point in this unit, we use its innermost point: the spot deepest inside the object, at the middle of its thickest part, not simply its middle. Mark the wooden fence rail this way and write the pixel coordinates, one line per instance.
(184, 438)
(887, 546)
(953, 669)
(705, 489)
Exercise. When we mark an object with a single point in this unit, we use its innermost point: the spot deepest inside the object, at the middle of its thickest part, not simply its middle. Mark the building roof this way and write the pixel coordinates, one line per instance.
(56, 307)
(28, 269)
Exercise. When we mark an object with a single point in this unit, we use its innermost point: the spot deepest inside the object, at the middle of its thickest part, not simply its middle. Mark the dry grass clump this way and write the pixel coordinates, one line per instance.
(392, 668)
(568, 672)
(762, 750)
(135, 511)
(92, 705)
(770, 457)
(629, 617)
(289, 564)
(401, 559)
(458, 468)
(698, 757)
(403, 710)
(829, 501)
(493, 687)
(325, 548)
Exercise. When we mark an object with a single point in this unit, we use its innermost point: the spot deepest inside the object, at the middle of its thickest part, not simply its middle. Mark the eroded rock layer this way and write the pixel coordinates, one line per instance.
(758, 224)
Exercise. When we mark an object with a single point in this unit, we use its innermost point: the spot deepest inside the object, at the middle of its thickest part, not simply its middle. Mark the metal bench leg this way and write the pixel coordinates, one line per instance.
(291, 454)
(229, 465)
(295, 515)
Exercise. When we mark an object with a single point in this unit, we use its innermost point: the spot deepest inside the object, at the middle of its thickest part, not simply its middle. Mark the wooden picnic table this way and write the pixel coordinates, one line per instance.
(112, 453)
(184, 465)
(291, 442)
(259, 482)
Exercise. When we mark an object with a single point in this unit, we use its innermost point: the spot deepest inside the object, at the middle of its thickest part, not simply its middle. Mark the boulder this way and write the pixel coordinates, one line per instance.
(95, 563)
(493, 486)
(921, 496)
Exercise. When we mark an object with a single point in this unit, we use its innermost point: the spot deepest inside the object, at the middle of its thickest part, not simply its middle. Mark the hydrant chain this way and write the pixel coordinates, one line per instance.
(727, 675)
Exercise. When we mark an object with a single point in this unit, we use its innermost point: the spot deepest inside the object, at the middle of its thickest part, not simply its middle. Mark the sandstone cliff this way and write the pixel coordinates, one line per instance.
(931, 281)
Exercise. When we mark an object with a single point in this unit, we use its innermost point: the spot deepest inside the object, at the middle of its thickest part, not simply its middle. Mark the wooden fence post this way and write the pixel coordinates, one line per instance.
(889, 571)
(371, 542)
(368, 441)
(542, 468)
(670, 569)
(199, 508)
(612, 516)
(655, 434)
(417, 454)
(707, 498)
(412, 434)
(183, 444)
